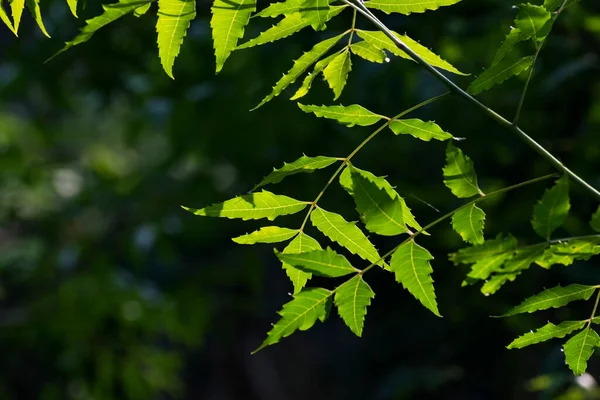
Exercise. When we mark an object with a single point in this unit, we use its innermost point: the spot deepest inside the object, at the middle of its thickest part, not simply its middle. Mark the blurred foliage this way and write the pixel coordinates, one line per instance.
(108, 290)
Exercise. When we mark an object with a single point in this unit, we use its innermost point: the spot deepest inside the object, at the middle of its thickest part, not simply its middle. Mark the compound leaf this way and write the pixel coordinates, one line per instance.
(368, 52)
(174, 17)
(483, 268)
(276, 9)
(410, 263)
(267, 234)
(468, 223)
(489, 248)
(556, 297)
(408, 6)
(253, 206)
(579, 349)
(301, 244)
(459, 173)
(552, 209)
(521, 261)
(289, 25)
(310, 77)
(595, 222)
(299, 314)
(352, 299)
(546, 332)
(336, 73)
(567, 252)
(315, 12)
(36, 13)
(498, 73)
(326, 263)
(229, 18)
(303, 164)
(348, 115)
(419, 129)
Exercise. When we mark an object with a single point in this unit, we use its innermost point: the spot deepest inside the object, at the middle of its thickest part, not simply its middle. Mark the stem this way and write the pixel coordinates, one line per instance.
(353, 27)
(594, 310)
(357, 5)
(522, 99)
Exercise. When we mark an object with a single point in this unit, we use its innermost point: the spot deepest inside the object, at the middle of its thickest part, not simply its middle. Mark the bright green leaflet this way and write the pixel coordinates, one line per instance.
(489, 248)
(498, 73)
(4, 17)
(319, 262)
(352, 299)
(310, 77)
(336, 72)
(532, 19)
(229, 18)
(514, 36)
(174, 17)
(468, 223)
(495, 282)
(138, 12)
(556, 297)
(408, 6)
(301, 243)
(299, 314)
(522, 260)
(551, 211)
(546, 332)
(267, 234)
(483, 268)
(73, 7)
(410, 263)
(277, 9)
(315, 12)
(291, 24)
(579, 349)
(595, 222)
(381, 213)
(348, 115)
(347, 234)
(419, 129)
(34, 9)
(566, 253)
(16, 8)
(253, 206)
(301, 65)
(303, 164)
(368, 52)
(459, 173)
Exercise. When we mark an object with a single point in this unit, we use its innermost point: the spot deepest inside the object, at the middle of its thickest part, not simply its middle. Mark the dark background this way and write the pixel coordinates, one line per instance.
(109, 290)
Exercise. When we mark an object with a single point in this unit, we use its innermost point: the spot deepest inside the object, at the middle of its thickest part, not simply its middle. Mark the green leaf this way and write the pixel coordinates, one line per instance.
(551, 211)
(459, 173)
(303, 164)
(73, 7)
(4, 17)
(468, 223)
(567, 252)
(554, 5)
(352, 299)
(326, 263)
(514, 36)
(556, 297)
(522, 260)
(579, 349)
(595, 222)
(347, 234)
(229, 18)
(380, 41)
(336, 73)
(276, 9)
(299, 314)
(484, 267)
(495, 282)
(368, 52)
(267, 234)
(289, 25)
(315, 12)
(489, 248)
(348, 115)
(16, 8)
(381, 212)
(174, 17)
(408, 6)
(301, 244)
(138, 12)
(498, 73)
(36, 13)
(111, 13)
(310, 77)
(532, 19)
(419, 129)
(410, 263)
(253, 206)
(301, 65)
(546, 332)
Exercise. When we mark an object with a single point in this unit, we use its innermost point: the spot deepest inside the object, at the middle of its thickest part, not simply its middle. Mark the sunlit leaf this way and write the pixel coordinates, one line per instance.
(419, 129)
(348, 115)
(253, 206)
(16, 8)
(73, 7)
(326, 263)
(567, 252)
(532, 20)
(514, 36)
(336, 73)
(552, 209)
(459, 173)
(276, 9)
(301, 243)
(408, 6)
(546, 332)
(411, 264)
(556, 297)
(138, 12)
(498, 73)
(4, 17)
(310, 77)
(174, 17)
(495, 282)
(315, 12)
(484, 267)
(36, 13)
(522, 260)
(579, 349)
(299, 314)
(595, 222)
(468, 223)
(302, 165)
(368, 52)
(352, 299)
(489, 248)
(229, 18)
(289, 25)
(267, 234)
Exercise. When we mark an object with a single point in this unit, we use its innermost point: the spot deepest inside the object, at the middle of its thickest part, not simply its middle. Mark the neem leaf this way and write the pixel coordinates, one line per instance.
(556, 297)
(567, 252)
(546, 332)
(34, 9)
(301, 243)
(595, 222)
(579, 349)
(352, 299)
(348, 115)
(459, 173)
(326, 263)
(552, 209)
(489, 248)
(310, 77)
(468, 223)
(303, 164)
(336, 73)
(229, 18)
(276, 9)
(267, 234)
(16, 8)
(174, 17)
(532, 19)
(514, 36)
(408, 6)
(315, 12)
(289, 25)
(498, 73)
(368, 52)
(419, 129)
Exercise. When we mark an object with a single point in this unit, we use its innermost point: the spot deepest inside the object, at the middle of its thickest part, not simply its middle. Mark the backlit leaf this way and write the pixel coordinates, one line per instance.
(556, 297)
(595, 222)
(326, 263)
(522, 260)
(138, 12)
(253, 206)
(552, 209)
(310, 77)
(336, 73)
(459, 173)
(315, 12)
(546, 332)
(468, 223)
(410, 263)
(352, 299)
(408, 6)
(301, 243)
(73, 7)
(16, 8)
(567, 252)
(495, 282)
(532, 19)
(303, 164)
(229, 18)
(299, 314)
(489, 248)
(174, 17)
(4, 17)
(484, 267)
(419, 129)
(276, 9)
(579, 349)
(36, 13)
(267, 234)
(368, 52)
(514, 36)
(498, 73)
(348, 115)
(289, 25)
